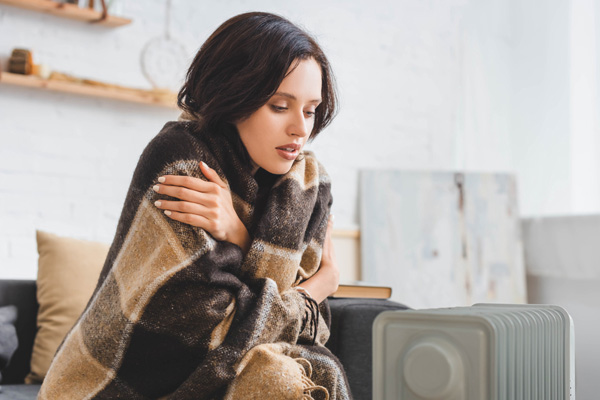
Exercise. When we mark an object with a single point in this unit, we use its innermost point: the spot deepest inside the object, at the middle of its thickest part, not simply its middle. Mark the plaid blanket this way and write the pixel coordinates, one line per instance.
(177, 314)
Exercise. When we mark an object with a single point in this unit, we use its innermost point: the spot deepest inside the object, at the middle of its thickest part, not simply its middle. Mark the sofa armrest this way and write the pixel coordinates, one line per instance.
(21, 293)
(352, 339)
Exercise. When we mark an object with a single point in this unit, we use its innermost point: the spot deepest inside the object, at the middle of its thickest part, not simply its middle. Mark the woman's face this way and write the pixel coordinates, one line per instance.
(275, 134)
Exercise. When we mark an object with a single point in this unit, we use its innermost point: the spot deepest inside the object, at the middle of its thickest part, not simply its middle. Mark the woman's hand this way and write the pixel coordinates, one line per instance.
(207, 205)
(327, 279)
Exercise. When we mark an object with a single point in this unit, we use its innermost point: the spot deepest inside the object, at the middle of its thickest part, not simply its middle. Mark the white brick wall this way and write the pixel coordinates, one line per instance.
(408, 100)
(66, 162)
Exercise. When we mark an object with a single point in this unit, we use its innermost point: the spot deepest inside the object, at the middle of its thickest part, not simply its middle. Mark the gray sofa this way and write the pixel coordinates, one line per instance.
(350, 341)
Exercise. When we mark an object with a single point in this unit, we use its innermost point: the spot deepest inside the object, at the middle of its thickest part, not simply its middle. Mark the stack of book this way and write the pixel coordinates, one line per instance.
(364, 290)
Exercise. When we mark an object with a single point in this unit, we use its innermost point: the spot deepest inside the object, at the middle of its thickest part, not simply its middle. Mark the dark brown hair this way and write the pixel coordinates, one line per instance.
(241, 65)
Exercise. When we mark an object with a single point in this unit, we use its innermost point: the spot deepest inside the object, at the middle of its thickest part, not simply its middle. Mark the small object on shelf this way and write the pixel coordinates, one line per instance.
(362, 290)
(41, 70)
(113, 7)
(20, 62)
(71, 11)
(90, 4)
(104, 15)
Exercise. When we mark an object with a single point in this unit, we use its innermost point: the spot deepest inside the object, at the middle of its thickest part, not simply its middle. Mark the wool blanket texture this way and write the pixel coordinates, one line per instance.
(179, 315)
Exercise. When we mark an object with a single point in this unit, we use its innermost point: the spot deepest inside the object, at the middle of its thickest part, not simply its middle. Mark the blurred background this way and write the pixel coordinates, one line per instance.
(462, 86)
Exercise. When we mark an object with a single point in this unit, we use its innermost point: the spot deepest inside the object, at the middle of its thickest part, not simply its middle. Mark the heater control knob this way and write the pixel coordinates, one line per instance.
(433, 369)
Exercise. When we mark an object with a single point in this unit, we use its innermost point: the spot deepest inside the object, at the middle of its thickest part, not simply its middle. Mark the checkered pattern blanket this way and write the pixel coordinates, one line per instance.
(179, 315)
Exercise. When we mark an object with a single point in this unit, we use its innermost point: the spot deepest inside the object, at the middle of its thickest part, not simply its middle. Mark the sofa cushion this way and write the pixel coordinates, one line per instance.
(68, 271)
(8, 335)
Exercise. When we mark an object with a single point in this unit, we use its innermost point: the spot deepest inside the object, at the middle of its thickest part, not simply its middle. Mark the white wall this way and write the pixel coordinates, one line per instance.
(556, 106)
(478, 85)
(540, 99)
(585, 106)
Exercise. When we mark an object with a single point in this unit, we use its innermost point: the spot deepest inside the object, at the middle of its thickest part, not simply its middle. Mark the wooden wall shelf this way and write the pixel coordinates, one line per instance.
(125, 94)
(68, 11)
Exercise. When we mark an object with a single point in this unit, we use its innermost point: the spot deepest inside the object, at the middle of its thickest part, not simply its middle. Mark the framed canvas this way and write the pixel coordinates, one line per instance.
(442, 239)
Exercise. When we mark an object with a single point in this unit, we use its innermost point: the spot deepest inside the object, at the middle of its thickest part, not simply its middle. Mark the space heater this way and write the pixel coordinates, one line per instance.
(483, 352)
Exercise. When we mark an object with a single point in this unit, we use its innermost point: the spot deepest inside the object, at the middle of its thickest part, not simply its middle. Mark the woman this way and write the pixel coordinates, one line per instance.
(222, 253)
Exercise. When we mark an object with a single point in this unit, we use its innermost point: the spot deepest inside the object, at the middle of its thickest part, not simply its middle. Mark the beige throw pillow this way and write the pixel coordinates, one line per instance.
(68, 271)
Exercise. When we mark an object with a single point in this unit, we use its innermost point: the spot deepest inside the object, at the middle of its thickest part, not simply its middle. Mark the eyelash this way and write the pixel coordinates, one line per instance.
(278, 109)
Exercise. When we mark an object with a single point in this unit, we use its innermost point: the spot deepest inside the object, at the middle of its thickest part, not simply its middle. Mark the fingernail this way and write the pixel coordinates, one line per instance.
(157, 203)
(204, 164)
(167, 212)
(161, 179)
(155, 188)
(331, 217)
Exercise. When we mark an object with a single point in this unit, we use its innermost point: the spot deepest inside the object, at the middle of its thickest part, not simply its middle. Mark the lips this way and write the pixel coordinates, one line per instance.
(289, 151)
(290, 147)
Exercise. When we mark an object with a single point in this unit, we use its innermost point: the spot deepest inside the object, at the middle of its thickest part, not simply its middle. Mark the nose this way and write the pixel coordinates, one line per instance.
(299, 125)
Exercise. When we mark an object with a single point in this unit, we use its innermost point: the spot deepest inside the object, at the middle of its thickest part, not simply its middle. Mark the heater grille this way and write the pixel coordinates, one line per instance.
(483, 352)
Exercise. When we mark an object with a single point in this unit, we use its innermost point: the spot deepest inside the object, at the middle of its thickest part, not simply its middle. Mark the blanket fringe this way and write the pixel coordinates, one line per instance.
(308, 385)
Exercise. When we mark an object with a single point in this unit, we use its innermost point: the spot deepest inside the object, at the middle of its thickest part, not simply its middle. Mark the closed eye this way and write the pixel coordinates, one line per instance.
(278, 108)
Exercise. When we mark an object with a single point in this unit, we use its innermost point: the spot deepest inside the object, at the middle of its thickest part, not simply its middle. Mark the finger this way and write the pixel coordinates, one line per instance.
(186, 207)
(189, 182)
(185, 194)
(212, 175)
(190, 219)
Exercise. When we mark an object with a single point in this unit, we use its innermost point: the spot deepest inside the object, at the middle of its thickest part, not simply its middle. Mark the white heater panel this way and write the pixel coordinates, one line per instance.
(487, 351)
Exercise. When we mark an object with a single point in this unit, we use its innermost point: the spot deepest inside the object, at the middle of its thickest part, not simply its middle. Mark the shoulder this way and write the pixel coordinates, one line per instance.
(176, 139)
(175, 132)
(175, 145)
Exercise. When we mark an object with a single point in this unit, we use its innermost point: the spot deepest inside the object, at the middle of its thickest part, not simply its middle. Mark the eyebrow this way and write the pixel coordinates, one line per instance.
(291, 96)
